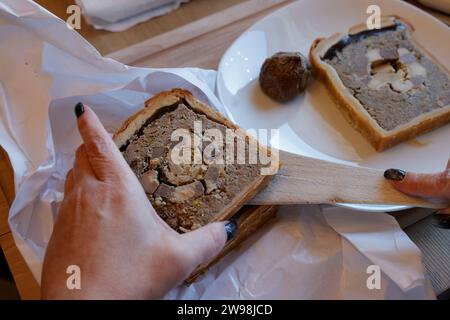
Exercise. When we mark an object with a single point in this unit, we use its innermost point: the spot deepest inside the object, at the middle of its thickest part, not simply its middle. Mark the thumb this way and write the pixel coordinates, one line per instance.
(205, 243)
(432, 185)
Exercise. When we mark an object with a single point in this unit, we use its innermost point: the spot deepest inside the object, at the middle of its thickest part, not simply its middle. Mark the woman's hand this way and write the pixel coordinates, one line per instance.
(436, 185)
(107, 227)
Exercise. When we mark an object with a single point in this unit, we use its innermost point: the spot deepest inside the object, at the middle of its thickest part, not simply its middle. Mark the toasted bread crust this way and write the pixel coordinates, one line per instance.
(355, 113)
(161, 100)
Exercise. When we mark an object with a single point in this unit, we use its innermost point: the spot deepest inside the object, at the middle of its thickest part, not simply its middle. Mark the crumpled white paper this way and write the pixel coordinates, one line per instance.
(310, 252)
(118, 15)
(307, 252)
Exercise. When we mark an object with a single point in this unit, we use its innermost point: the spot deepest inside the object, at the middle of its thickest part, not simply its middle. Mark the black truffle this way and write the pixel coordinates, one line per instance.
(284, 75)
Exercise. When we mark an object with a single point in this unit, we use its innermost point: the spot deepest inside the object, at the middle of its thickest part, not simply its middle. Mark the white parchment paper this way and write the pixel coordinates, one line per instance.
(307, 252)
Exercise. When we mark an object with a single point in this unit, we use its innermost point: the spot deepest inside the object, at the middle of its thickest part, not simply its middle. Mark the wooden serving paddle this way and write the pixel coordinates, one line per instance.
(306, 180)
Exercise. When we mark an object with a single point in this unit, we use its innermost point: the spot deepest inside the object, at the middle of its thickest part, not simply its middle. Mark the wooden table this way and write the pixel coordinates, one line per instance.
(173, 40)
(25, 282)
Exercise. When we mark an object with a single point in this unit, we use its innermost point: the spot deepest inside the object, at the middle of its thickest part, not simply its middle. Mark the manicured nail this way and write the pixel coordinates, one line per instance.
(230, 228)
(441, 220)
(79, 109)
(394, 174)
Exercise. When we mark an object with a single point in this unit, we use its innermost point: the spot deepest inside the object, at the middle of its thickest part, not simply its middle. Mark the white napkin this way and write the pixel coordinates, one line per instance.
(308, 252)
(118, 15)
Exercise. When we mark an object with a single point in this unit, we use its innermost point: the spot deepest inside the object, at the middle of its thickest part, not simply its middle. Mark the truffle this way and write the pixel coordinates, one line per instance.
(284, 75)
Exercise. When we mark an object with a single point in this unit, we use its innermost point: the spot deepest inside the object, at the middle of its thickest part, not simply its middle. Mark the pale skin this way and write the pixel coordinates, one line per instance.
(436, 185)
(107, 227)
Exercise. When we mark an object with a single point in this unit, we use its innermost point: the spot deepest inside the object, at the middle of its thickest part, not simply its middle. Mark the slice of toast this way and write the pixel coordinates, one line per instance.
(386, 85)
(190, 195)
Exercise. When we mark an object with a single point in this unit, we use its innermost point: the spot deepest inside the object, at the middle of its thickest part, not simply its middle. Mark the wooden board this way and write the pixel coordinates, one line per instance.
(307, 180)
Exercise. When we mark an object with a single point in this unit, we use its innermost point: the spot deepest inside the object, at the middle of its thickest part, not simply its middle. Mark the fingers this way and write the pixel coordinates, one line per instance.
(436, 185)
(203, 244)
(82, 167)
(103, 156)
(68, 186)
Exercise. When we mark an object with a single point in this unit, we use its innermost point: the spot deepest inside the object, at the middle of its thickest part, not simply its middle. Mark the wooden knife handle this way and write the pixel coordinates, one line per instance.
(306, 180)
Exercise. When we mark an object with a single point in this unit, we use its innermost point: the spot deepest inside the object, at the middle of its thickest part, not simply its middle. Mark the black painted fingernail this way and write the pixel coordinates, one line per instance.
(79, 109)
(231, 228)
(395, 174)
(441, 220)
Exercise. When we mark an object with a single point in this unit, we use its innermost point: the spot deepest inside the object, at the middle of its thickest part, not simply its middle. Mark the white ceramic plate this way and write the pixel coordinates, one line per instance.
(311, 124)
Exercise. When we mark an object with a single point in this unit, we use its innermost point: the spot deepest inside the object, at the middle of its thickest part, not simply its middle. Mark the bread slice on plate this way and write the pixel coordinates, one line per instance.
(385, 83)
(212, 187)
